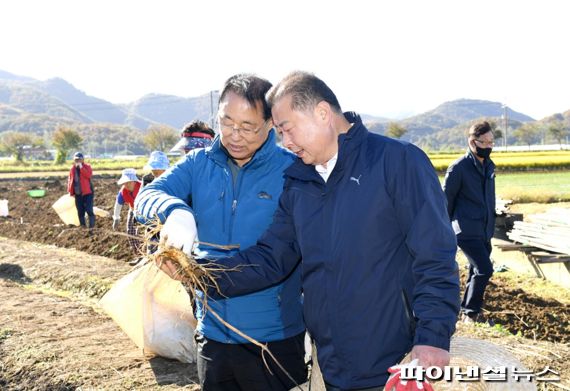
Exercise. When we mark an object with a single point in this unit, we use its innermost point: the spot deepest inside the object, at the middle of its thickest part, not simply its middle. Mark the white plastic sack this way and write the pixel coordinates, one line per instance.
(154, 311)
(66, 210)
(4, 208)
(101, 212)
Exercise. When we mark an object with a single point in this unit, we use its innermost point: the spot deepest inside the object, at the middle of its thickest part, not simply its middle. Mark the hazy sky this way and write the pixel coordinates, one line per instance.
(385, 58)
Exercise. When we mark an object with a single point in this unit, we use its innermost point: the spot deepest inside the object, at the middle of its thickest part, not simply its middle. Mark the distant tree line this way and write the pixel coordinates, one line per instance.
(96, 141)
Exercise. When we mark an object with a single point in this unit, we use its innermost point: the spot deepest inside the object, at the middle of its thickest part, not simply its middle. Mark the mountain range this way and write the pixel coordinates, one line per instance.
(30, 105)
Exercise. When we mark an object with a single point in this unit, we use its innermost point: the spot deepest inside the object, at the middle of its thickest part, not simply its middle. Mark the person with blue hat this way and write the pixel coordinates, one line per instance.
(80, 187)
(130, 186)
(157, 164)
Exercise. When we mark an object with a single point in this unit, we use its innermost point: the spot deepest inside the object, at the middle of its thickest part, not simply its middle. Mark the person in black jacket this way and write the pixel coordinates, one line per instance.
(470, 190)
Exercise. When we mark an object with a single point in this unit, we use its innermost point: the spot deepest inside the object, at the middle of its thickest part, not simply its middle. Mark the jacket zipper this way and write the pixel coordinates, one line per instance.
(236, 191)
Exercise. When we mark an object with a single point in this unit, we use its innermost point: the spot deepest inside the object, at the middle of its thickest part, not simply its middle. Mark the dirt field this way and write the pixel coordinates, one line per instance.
(53, 336)
(35, 220)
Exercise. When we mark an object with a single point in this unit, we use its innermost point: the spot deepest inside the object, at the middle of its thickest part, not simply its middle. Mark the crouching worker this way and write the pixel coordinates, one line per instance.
(157, 164)
(196, 134)
(130, 186)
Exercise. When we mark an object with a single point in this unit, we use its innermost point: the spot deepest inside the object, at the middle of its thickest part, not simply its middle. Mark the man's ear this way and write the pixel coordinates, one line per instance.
(323, 111)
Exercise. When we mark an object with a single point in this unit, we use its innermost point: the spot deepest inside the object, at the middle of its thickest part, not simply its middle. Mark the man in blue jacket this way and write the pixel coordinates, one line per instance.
(365, 217)
(234, 188)
(470, 190)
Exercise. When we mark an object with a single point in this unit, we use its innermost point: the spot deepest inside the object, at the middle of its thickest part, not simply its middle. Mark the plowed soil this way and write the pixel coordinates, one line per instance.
(35, 220)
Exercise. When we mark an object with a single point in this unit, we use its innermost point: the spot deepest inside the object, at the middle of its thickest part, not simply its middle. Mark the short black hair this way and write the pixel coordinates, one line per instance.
(197, 126)
(306, 91)
(250, 87)
(480, 128)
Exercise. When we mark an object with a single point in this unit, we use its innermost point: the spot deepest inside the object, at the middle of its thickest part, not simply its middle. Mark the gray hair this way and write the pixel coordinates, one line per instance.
(306, 91)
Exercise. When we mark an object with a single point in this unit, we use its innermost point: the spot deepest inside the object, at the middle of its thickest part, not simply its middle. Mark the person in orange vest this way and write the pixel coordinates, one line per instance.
(130, 186)
(79, 185)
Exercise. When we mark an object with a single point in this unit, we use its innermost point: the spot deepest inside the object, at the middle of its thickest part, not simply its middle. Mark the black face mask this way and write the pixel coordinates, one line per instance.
(483, 152)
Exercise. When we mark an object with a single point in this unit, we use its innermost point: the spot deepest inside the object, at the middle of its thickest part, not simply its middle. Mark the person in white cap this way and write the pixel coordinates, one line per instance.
(157, 164)
(130, 186)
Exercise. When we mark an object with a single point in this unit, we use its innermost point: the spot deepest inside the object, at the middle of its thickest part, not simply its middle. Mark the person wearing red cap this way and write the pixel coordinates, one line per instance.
(196, 134)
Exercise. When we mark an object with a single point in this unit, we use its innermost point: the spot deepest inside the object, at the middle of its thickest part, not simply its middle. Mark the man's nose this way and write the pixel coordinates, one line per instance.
(286, 140)
(236, 135)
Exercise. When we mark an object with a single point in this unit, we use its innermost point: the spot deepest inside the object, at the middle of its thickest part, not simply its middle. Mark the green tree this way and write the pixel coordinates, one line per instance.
(498, 134)
(160, 138)
(395, 130)
(14, 143)
(558, 131)
(528, 133)
(65, 140)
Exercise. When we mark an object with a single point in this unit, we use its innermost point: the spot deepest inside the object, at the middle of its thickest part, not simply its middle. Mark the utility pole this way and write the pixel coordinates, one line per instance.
(212, 108)
(212, 117)
(505, 116)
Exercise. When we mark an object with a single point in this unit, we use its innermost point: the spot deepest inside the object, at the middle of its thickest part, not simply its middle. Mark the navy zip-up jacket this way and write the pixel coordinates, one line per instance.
(373, 238)
(229, 214)
(470, 190)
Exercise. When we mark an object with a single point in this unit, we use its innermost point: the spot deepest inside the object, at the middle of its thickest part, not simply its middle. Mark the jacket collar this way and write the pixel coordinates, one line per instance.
(218, 153)
(347, 143)
(481, 167)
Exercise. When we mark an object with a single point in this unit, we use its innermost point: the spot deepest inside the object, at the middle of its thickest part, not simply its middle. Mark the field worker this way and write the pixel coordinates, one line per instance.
(130, 186)
(79, 185)
(157, 164)
(196, 134)
(470, 190)
(235, 186)
(365, 217)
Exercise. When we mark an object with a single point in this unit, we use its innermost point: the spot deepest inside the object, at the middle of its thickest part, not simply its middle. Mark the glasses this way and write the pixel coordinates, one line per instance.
(246, 130)
(487, 143)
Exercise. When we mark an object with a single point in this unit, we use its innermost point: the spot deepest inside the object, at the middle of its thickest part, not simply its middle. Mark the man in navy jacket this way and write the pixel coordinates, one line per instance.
(234, 186)
(470, 190)
(365, 217)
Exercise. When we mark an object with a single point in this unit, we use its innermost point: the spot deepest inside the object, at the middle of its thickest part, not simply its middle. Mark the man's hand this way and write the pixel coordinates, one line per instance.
(79, 165)
(430, 356)
(179, 230)
(168, 267)
(115, 224)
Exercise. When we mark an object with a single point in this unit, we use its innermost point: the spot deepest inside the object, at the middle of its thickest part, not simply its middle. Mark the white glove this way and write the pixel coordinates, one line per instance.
(179, 230)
